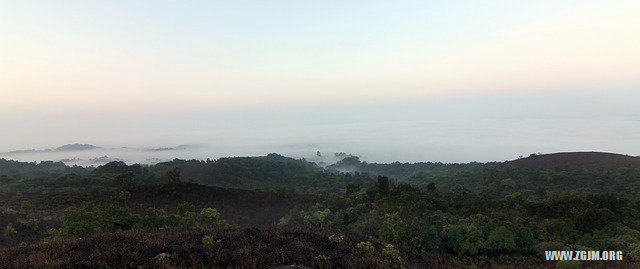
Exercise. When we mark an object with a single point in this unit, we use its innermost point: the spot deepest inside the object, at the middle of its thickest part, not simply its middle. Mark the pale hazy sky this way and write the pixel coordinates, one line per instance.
(119, 63)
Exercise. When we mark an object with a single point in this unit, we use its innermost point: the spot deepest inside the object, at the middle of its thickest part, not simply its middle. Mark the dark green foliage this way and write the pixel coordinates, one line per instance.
(31, 224)
(89, 219)
(114, 215)
(210, 217)
(173, 175)
(208, 241)
(25, 207)
(127, 180)
(155, 218)
(272, 172)
(477, 210)
(463, 239)
(502, 179)
(500, 240)
(463, 223)
(56, 176)
(80, 221)
(9, 230)
(392, 256)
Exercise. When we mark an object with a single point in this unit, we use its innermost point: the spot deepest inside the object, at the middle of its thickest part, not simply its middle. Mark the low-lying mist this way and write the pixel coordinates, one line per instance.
(456, 130)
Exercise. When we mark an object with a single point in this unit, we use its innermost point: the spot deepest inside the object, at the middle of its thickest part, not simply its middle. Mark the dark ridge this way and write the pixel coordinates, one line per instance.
(68, 147)
(578, 160)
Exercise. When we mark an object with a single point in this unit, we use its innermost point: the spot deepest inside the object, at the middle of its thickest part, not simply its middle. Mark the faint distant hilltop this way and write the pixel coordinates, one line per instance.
(72, 147)
(68, 147)
(179, 147)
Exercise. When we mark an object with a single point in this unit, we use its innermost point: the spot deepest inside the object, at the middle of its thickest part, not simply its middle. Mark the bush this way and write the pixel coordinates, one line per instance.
(9, 211)
(634, 252)
(9, 230)
(155, 218)
(464, 239)
(32, 224)
(316, 218)
(80, 221)
(500, 240)
(367, 247)
(25, 206)
(208, 241)
(116, 215)
(186, 214)
(89, 219)
(210, 217)
(336, 238)
(391, 256)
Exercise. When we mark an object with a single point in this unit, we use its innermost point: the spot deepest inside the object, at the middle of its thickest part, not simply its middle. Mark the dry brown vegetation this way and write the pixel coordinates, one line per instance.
(247, 209)
(242, 207)
(249, 248)
(578, 160)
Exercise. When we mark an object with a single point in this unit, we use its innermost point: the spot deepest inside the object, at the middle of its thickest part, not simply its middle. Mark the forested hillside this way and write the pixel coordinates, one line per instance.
(192, 212)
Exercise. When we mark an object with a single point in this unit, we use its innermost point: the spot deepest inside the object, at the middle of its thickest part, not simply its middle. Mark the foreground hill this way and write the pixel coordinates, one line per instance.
(243, 208)
(282, 247)
(578, 161)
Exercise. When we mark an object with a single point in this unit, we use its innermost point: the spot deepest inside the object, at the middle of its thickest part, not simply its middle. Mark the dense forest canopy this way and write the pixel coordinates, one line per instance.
(531, 176)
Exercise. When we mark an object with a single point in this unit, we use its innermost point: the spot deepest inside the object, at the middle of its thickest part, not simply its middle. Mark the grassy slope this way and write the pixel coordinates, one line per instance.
(578, 160)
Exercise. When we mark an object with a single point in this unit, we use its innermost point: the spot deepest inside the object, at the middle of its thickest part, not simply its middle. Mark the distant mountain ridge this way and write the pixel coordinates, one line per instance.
(577, 160)
(67, 147)
(73, 147)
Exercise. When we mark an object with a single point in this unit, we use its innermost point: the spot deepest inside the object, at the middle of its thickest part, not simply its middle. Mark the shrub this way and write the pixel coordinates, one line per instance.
(9, 230)
(155, 218)
(391, 255)
(367, 247)
(316, 218)
(186, 215)
(115, 215)
(294, 217)
(634, 252)
(501, 240)
(402, 232)
(54, 235)
(463, 239)
(336, 238)
(80, 222)
(210, 217)
(25, 206)
(32, 224)
(208, 241)
(323, 261)
(9, 211)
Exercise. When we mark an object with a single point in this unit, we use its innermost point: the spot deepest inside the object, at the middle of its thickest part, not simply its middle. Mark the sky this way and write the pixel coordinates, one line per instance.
(148, 73)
